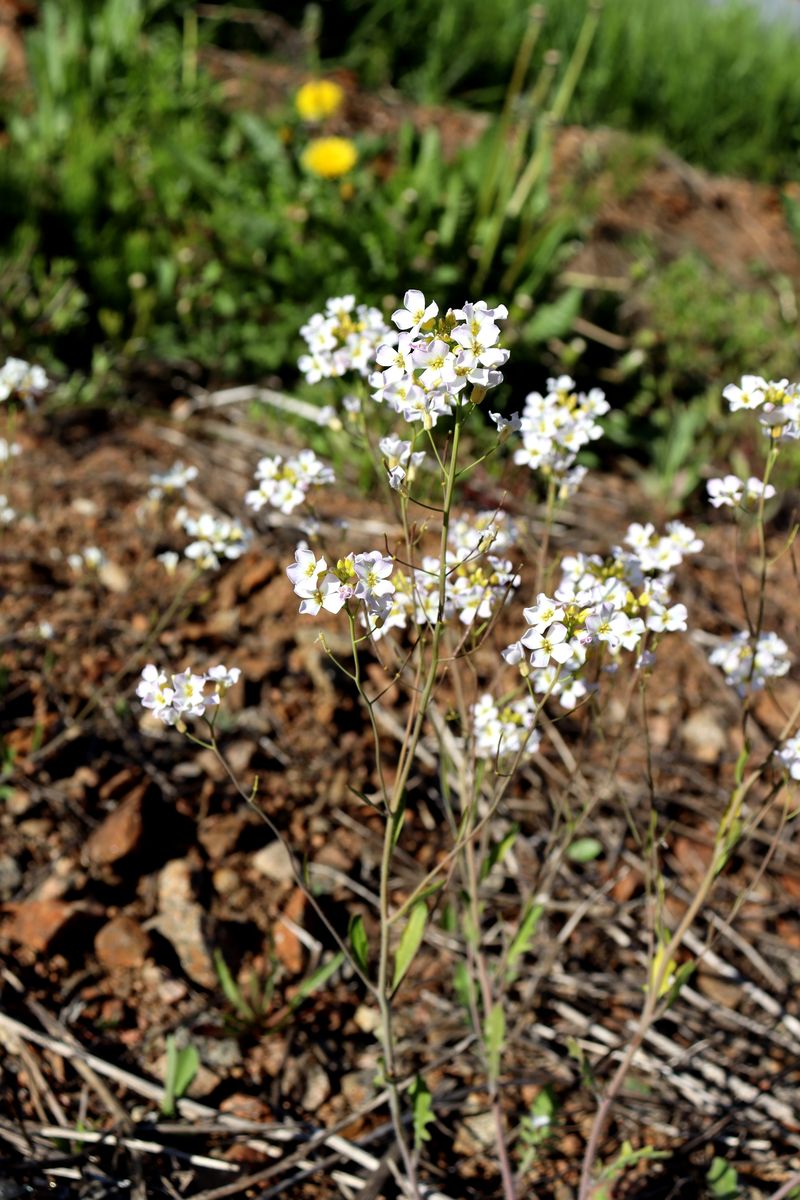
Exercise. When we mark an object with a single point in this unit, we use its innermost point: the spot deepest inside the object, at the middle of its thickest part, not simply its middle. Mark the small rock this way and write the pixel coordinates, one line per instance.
(274, 862)
(219, 834)
(35, 829)
(18, 802)
(475, 1134)
(10, 876)
(246, 1108)
(704, 736)
(366, 1018)
(35, 923)
(120, 833)
(180, 921)
(357, 1087)
(288, 947)
(225, 881)
(122, 943)
(318, 1088)
(112, 576)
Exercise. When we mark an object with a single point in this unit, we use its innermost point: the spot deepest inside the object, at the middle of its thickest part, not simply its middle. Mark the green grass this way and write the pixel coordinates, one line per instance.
(717, 84)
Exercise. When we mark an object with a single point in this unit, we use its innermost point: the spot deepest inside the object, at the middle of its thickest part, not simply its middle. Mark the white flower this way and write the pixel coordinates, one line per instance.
(502, 734)
(9, 450)
(223, 677)
(543, 612)
(171, 482)
(7, 513)
(189, 696)
(748, 666)
(749, 395)
(217, 538)
(156, 695)
(727, 491)
(789, 755)
(415, 311)
(343, 339)
(20, 378)
(94, 558)
(305, 571)
(548, 644)
(661, 619)
(373, 572)
(169, 560)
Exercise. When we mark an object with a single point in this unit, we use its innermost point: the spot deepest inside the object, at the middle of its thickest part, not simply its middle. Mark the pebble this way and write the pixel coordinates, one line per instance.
(122, 943)
(120, 833)
(273, 862)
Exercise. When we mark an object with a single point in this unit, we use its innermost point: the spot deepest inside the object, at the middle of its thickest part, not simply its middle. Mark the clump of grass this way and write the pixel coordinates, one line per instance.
(717, 82)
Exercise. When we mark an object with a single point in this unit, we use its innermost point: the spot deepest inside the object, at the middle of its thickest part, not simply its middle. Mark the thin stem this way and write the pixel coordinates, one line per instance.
(385, 1008)
(657, 982)
(249, 799)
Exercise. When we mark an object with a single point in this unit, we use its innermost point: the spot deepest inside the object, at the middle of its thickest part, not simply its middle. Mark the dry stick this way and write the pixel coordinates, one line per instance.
(506, 1173)
(193, 1108)
(133, 1143)
(668, 954)
(784, 1190)
(57, 1029)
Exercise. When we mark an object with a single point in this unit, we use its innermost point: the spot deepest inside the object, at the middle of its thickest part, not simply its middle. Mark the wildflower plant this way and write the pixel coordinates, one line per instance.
(425, 605)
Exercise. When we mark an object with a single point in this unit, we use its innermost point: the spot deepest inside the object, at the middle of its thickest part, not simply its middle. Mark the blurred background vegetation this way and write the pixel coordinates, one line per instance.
(159, 230)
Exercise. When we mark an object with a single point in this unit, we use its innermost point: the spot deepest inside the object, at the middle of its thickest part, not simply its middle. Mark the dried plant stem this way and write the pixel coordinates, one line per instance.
(657, 983)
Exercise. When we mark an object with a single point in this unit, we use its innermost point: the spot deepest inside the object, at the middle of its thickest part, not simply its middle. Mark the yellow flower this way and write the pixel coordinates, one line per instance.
(329, 157)
(319, 98)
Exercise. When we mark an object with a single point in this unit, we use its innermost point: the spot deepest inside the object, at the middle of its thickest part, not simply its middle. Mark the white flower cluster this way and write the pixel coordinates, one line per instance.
(171, 699)
(400, 459)
(284, 484)
(22, 379)
(172, 482)
(343, 338)
(90, 559)
(776, 403)
(7, 513)
(503, 732)
(362, 578)
(747, 664)
(555, 427)
(9, 450)
(733, 492)
(477, 581)
(215, 538)
(613, 603)
(789, 755)
(425, 369)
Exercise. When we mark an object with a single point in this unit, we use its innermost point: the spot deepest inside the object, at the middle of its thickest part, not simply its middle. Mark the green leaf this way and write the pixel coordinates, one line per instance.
(359, 943)
(186, 1068)
(410, 941)
(317, 979)
(182, 1066)
(523, 938)
(230, 988)
(555, 320)
(498, 851)
(680, 978)
(584, 850)
(422, 1108)
(722, 1180)
(494, 1035)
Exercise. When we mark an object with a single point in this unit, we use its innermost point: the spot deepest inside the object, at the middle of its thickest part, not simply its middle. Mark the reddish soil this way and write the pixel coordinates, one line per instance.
(128, 860)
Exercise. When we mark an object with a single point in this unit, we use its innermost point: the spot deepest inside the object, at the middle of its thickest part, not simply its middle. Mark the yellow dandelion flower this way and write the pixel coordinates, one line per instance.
(318, 99)
(329, 157)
